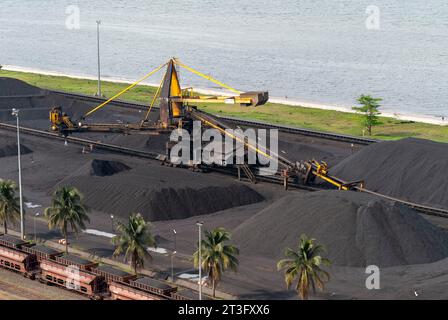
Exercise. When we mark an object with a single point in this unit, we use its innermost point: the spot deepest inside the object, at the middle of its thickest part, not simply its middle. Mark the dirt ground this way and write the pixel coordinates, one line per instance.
(13, 286)
(257, 278)
(51, 162)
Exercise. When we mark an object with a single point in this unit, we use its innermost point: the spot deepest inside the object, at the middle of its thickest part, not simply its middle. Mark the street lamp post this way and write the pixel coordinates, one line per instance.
(15, 113)
(175, 244)
(35, 216)
(112, 222)
(172, 255)
(200, 224)
(172, 265)
(98, 22)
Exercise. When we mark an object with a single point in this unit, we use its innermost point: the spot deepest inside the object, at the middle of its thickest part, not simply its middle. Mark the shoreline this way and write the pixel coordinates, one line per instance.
(208, 91)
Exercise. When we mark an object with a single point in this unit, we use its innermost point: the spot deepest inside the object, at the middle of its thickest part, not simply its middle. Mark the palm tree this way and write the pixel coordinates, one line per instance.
(215, 256)
(305, 265)
(134, 238)
(9, 203)
(67, 210)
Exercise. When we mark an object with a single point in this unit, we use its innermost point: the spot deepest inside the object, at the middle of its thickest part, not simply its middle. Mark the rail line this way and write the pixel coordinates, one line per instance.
(156, 156)
(243, 122)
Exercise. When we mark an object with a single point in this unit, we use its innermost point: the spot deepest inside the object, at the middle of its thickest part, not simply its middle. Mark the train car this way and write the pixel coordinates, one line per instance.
(42, 252)
(123, 291)
(82, 275)
(73, 260)
(153, 286)
(78, 280)
(111, 274)
(10, 241)
(21, 262)
(187, 294)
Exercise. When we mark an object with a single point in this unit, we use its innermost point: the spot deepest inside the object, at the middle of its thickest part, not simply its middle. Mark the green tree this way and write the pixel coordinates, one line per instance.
(134, 238)
(369, 107)
(9, 203)
(216, 257)
(305, 266)
(67, 210)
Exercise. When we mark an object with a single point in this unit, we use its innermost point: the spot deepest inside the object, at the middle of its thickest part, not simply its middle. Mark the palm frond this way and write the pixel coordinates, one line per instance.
(304, 266)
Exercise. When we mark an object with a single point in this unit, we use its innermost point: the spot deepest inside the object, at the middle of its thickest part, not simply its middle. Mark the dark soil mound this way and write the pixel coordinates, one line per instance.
(14, 87)
(356, 229)
(411, 169)
(7, 150)
(103, 168)
(159, 193)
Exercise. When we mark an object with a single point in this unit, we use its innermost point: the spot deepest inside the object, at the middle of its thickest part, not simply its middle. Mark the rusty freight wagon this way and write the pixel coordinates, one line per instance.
(42, 252)
(18, 261)
(153, 286)
(123, 291)
(111, 274)
(10, 241)
(73, 260)
(71, 278)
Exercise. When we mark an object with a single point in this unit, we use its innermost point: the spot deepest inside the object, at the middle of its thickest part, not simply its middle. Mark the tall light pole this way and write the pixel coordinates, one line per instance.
(98, 22)
(175, 244)
(172, 265)
(200, 224)
(112, 222)
(35, 216)
(15, 113)
(172, 255)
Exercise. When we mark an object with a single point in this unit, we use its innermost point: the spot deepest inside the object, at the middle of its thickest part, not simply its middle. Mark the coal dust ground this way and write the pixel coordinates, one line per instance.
(357, 230)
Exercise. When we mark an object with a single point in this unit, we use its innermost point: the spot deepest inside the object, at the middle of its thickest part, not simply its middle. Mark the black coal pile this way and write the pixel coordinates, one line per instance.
(356, 229)
(303, 151)
(411, 169)
(158, 192)
(14, 87)
(104, 168)
(10, 149)
(34, 103)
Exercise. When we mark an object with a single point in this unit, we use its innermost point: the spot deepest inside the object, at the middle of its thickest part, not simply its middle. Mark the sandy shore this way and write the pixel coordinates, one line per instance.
(208, 91)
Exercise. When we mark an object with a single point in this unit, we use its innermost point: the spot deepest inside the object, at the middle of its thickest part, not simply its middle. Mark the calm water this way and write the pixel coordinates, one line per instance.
(316, 51)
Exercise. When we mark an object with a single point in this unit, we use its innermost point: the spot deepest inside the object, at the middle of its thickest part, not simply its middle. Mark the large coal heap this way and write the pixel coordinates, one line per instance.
(104, 168)
(412, 169)
(14, 87)
(8, 147)
(157, 192)
(356, 229)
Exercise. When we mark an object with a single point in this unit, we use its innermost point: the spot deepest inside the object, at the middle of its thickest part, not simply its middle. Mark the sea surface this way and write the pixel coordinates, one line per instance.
(322, 51)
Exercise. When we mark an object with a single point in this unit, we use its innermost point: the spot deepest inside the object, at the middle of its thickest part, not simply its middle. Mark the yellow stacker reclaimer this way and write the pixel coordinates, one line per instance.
(176, 109)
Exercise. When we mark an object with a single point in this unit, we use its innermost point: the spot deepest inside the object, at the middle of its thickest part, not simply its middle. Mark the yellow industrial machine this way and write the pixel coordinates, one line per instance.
(62, 123)
(59, 119)
(174, 104)
(315, 169)
(176, 109)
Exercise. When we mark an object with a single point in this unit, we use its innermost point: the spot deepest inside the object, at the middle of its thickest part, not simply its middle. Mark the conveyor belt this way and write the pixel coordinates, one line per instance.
(282, 128)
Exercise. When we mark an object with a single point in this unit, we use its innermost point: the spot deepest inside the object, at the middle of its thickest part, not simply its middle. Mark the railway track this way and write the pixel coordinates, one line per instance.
(236, 121)
(156, 156)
